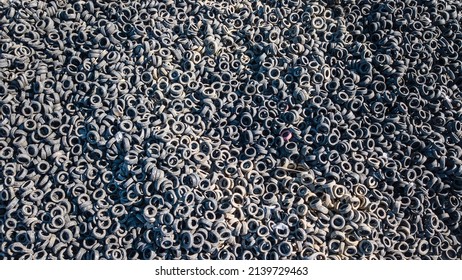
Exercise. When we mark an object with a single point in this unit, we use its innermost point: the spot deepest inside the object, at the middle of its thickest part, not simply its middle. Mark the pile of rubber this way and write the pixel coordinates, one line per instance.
(230, 129)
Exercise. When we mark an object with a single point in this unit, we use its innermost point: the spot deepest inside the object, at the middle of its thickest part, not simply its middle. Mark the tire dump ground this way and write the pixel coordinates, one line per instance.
(230, 129)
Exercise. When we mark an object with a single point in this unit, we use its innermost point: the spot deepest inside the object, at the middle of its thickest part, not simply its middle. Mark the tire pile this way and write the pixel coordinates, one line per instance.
(181, 129)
